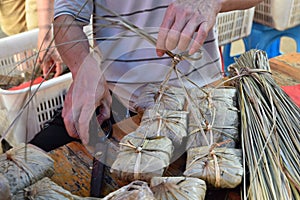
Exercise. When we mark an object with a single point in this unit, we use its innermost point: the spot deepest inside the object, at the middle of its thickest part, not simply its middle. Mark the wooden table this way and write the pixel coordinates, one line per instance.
(286, 69)
(73, 163)
(286, 72)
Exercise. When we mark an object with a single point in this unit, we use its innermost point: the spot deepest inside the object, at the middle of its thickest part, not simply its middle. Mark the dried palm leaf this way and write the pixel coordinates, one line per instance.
(23, 169)
(136, 190)
(178, 188)
(44, 189)
(4, 188)
(168, 123)
(270, 124)
(219, 167)
(171, 98)
(216, 109)
(142, 158)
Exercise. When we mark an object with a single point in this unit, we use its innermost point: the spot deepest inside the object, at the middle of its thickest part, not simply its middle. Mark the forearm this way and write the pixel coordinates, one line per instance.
(229, 5)
(71, 42)
(45, 17)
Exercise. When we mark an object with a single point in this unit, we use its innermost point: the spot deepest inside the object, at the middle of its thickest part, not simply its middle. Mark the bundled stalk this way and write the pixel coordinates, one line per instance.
(136, 190)
(141, 158)
(270, 125)
(167, 97)
(45, 189)
(219, 167)
(178, 188)
(25, 165)
(215, 109)
(213, 137)
(168, 123)
(4, 188)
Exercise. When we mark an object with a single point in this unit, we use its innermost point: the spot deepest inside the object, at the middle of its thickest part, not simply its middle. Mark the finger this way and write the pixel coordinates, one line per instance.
(68, 101)
(70, 126)
(182, 18)
(200, 38)
(85, 113)
(104, 114)
(174, 34)
(84, 122)
(68, 117)
(58, 69)
(167, 23)
(105, 110)
(187, 34)
(67, 114)
(46, 68)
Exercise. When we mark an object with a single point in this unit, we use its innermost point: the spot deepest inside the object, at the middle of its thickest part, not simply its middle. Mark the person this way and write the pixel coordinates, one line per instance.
(18, 16)
(126, 62)
(24, 15)
(48, 57)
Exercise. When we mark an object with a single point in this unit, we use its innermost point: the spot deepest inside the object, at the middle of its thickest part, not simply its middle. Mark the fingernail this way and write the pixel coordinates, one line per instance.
(192, 51)
(160, 53)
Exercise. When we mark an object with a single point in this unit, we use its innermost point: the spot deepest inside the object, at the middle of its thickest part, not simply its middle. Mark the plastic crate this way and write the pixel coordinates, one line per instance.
(234, 25)
(17, 54)
(278, 14)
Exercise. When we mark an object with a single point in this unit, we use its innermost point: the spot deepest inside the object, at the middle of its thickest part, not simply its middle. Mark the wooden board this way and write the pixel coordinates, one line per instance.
(286, 69)
(73, 165)
(73, 162)
(126, 126)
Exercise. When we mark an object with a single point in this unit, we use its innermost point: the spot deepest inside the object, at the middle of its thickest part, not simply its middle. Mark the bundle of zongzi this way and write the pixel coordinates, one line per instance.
(23, 166)
(213, 117)
(136, 190)
(168, 123)
(219, 167)
(166, 188)
(165, 97)
(141, 158)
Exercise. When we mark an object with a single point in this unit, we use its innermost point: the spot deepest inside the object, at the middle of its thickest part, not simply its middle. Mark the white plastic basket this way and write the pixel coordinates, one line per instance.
(234, 25)
(278, 14)
(17, 54)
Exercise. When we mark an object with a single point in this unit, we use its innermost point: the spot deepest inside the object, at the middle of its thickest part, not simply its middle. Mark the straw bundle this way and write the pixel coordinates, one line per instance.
(142, 158)
(136, 190)
(168, 97)
(45, 189)
(219, 167)
(4, 188)
(270, 124)
(215, 109)
(23, 166)
(165, 188)
(168, 123)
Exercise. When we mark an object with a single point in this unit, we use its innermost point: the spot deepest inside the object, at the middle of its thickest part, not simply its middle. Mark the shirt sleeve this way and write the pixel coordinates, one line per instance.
(81, 10)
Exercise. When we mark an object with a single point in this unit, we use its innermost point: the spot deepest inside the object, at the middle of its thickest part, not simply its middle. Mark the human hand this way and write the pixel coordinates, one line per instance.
(49, 58)
(88, 91)
(182, 19)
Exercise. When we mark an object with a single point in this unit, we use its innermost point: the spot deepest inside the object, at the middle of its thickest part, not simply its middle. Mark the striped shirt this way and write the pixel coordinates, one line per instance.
(130, 61)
